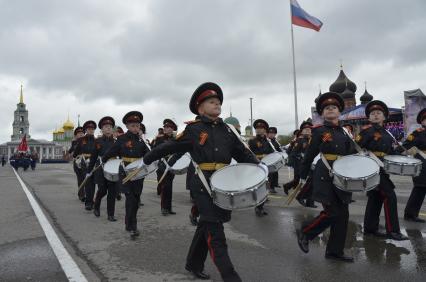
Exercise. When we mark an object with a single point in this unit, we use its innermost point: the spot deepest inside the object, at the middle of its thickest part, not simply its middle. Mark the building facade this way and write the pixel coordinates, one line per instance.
(20, 128)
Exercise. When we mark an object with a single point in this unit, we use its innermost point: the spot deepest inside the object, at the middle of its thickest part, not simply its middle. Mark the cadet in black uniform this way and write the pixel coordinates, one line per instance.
(300, 145)
(118, 131)
(166, 185)
(330, 140)
(105, 187)
(305, 195)
(212, 145)
(130, 147)
(273, 177)
(418, 139)
(78, 133)
(194, 214)
(85, 148)
(260, 146)
(375, 138)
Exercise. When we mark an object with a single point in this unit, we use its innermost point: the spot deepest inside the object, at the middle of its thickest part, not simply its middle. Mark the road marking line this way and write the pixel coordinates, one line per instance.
(69, 266)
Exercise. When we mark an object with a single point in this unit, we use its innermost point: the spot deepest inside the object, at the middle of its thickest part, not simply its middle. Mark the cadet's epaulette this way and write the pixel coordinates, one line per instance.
(420, 129)
(366, 127)
(192, 121)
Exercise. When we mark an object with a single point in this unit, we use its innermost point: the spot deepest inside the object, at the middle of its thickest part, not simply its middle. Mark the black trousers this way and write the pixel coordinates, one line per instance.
(133, 191)
(106, 187)
(210, 237)
(335, 216)
(80, 177)
(166, 190)
(273, 179)
(386, 197)
(415, 201)
(89, 190)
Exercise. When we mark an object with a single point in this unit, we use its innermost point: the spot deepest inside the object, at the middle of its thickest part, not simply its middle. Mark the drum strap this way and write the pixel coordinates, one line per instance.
(230, 126)
(203, 179)
(360, 151)
(272, 145)
(327, 165)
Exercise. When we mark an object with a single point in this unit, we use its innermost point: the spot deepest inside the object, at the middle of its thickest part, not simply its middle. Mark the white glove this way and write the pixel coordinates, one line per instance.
(141, 165)
(302, 181)
(88, 175)
(264, 167)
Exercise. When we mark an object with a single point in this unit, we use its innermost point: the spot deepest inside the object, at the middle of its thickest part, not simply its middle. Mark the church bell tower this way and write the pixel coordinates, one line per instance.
(20, 124)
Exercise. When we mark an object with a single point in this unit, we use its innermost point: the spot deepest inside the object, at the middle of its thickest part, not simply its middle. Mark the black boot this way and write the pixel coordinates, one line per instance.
(302, 241)
(96, 212)
(342, 258)
(199, 274)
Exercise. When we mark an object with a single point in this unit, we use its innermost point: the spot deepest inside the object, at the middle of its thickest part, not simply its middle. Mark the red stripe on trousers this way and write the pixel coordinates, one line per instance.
(209, 244)
(387, 212)
(322, 216)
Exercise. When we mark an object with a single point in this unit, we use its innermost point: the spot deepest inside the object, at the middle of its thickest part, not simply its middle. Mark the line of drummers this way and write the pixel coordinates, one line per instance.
(226, 173)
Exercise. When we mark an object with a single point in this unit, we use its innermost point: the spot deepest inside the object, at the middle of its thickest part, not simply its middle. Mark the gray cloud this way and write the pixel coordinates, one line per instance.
(134, 54)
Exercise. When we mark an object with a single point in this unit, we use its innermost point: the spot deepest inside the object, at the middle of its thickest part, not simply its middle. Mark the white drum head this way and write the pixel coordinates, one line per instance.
(238, 178)
(182, 163)
(355, 166)
(402, 159)
(272, 158)
(112, 166)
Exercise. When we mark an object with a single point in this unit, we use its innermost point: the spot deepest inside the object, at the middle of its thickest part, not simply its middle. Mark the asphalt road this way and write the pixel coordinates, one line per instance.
(262, 249)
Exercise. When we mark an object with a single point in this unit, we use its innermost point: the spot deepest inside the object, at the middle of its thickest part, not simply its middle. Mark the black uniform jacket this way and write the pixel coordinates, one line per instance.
(207, 141)
(327, 139)
(376, 139)
(418, 139)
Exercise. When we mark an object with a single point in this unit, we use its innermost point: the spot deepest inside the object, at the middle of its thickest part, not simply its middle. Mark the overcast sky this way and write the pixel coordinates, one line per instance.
(98, 57)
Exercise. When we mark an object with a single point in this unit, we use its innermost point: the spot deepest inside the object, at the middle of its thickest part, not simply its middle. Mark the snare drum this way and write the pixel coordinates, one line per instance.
(239, 186)
(356, 173)
(181, 165)
(402, 165)
(274, 161)
(144, 172)
(111, 169)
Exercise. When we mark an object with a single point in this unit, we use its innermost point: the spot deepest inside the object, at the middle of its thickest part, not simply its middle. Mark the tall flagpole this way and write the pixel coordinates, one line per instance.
(296, 116)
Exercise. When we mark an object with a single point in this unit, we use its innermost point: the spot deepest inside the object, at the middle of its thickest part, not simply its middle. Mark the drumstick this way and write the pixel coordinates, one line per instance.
(87, 178)
(131, 175)
(294, 193)
(166, 170)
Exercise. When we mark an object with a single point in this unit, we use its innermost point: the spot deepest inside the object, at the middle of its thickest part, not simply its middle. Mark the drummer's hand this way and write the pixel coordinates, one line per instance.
(141, 165)
(88, 174)
(264, 167)
(302, 181)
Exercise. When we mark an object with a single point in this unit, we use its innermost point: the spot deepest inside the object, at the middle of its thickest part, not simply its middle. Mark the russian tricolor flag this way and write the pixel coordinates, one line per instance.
(301, 18)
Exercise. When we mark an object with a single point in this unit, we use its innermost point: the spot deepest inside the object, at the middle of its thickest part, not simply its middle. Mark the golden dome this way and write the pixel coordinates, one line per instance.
(68, 125)
(61, 130)
(55, 131)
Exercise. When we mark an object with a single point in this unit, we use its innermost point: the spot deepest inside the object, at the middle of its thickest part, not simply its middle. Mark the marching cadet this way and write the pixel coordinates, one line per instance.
(79, 172)
(212, 145)
(299, 147)
(260, 146)
(166, 185)
(130, 147)
(118, 131)
(194, 214)
(305, 195)
(105, 187)
(273, 177)
(375, 138)
(417, 196)
(84, 149)
(330, 140)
